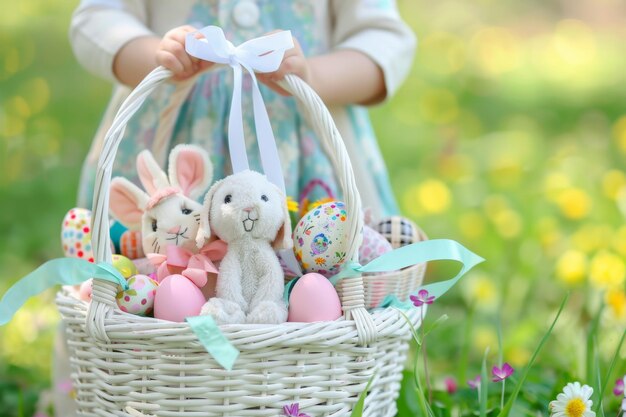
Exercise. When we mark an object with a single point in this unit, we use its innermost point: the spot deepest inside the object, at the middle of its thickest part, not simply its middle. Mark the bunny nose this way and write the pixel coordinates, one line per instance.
(248, 209)
(174, 230)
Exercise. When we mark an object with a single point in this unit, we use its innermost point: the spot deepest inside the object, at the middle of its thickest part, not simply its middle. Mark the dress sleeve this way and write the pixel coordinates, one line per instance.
(100, 28)
(374, 27)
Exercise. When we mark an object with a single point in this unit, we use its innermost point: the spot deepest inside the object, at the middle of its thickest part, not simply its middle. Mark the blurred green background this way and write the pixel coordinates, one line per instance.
(509, 136)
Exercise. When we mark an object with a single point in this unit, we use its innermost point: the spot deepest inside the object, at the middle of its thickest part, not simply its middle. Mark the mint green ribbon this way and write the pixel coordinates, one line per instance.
(63, 271)
(415, 253)
(214, 341)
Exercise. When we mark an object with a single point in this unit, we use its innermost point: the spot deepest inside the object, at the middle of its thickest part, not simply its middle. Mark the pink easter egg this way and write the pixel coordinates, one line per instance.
(177, 298)
(85, 290)
(374, 244)
(313, 298)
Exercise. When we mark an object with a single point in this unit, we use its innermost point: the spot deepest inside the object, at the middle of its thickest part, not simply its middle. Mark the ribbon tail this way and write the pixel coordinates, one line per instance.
(62, 271)
(265, 137)
(214, 341)
(236, 142)
(436, 250)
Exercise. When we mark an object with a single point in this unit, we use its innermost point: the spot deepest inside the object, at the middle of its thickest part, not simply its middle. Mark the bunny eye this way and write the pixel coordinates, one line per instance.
(186, 211)
(154, 225)
(228, 199)
(264, 198)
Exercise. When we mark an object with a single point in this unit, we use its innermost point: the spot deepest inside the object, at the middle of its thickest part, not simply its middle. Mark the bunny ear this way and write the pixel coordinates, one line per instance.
(283, 237)
(204, 231)
(127, 202)
(150, 173)
(190, 170)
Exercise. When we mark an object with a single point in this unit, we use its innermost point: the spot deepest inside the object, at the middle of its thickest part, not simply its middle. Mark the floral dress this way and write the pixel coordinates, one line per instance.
(203, 117)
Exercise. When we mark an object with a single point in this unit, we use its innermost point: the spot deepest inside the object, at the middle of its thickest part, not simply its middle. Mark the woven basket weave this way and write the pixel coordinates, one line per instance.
(130, 366)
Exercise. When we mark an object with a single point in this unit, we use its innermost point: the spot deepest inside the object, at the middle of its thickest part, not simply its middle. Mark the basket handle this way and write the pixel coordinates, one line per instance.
(103, 297)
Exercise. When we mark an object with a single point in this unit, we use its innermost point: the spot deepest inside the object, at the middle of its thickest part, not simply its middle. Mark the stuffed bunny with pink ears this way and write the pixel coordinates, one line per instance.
(167, 211)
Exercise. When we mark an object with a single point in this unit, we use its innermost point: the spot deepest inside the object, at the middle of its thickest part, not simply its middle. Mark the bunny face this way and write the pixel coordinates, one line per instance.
(246, 206)
(174, 221)
(166, 212)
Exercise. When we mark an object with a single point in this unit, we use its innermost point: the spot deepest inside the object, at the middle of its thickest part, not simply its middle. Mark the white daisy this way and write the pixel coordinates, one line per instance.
(573, 402)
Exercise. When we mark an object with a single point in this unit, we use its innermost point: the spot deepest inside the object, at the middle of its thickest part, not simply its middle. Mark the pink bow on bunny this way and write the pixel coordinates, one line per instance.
(193, 266)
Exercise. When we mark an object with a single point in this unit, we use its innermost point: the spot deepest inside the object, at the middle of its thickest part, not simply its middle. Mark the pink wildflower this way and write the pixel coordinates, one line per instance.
(451, 385)
(293, 410)
(474, 383)
(619, 387)
(500, 374)
(422, 298)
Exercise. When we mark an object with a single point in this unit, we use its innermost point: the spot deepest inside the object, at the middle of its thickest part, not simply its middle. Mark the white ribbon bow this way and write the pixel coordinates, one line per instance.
(262, 54)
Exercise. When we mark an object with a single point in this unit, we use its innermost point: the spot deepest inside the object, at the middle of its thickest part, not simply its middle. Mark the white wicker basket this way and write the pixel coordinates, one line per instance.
(127, 365)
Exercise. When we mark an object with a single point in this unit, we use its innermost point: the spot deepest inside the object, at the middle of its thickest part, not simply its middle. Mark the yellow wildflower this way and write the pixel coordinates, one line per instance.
(472, 225)
(592, 237)
(484, 337)
(607, 270)
(616, 301)
(571, 267)
(434, 196)
(481, 291)
(574, 203)
(518, 356)
(508, 223)
(619, 241)
(619, 133)
(292, 205)
(613, 182)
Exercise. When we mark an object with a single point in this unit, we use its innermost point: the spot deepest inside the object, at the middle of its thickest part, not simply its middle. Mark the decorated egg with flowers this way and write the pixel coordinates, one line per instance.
(320, 241)
(139, 297)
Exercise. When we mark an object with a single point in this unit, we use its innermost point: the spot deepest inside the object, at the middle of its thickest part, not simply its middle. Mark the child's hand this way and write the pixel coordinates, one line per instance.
(171, 54)
(294, 62)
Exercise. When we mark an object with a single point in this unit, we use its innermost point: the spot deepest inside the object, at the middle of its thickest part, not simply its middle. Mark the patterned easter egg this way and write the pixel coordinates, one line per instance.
(320, 241)
(400, 231)
(374, 244)
(76, 234)
(130, 244)
(126, 267)
(139, 298)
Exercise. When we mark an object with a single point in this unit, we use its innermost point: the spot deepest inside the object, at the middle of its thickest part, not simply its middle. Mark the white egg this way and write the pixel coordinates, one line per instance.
(320, 241)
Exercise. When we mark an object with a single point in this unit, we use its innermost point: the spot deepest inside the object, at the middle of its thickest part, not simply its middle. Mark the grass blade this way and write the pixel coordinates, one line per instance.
(609, 372)
(509, 404)
(484, 386)
(357, 411)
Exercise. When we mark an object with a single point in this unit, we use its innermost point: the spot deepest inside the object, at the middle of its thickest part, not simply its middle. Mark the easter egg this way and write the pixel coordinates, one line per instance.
(374, 244)
(130, 244)
(76, 234)
(320, 241)
(177, 298)
(313, 298)
(126, 267)
(400, 231)
(85, 290)
(139, 297)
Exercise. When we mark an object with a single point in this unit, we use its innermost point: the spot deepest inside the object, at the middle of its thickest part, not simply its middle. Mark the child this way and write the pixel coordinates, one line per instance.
(351, 52)
(357, 52)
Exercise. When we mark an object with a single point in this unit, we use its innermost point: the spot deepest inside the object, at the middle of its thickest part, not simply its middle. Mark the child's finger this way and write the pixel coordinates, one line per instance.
(169, 61)
(266, 79)
(178, 50)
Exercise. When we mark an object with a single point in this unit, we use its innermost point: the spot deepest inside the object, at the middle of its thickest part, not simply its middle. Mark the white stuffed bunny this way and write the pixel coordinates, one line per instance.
(167, 213)
(250, 214)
